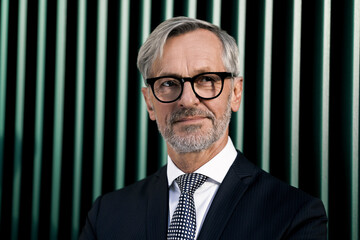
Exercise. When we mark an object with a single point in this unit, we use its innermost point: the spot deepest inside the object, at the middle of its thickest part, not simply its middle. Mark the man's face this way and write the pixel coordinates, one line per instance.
(191, 124)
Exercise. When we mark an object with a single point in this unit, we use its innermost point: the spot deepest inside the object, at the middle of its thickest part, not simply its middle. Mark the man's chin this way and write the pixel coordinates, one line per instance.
(189, 132)
(188, 145)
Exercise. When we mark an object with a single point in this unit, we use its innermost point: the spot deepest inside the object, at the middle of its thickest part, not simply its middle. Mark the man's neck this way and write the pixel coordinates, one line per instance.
(190, 162)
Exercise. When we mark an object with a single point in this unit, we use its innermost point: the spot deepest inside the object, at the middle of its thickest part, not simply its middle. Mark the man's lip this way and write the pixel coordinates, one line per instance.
(190, 119)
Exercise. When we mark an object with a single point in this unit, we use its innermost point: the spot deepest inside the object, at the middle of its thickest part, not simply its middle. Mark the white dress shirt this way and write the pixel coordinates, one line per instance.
(215, 170)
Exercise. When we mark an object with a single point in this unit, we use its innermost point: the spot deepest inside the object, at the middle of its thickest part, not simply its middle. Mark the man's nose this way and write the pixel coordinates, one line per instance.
(188, 97)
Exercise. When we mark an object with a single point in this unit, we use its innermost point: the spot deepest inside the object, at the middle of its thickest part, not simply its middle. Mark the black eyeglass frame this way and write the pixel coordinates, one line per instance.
(222, 75)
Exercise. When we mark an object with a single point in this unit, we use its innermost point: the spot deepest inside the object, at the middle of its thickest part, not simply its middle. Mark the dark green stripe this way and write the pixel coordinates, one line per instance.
(123, 79)
(58, 117)
(3, 75)
(324, 95)
(355, 123)
(266, 90)
(142, 137)
(294, 110)
(19, 116)
(100, 97)
(79, 117)
(238, 118)
(39, 118)
(215, 12)
(167, 13)
(191, 8)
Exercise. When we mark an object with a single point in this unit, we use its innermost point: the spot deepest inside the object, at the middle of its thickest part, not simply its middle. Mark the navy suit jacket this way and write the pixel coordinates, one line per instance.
(249, 204)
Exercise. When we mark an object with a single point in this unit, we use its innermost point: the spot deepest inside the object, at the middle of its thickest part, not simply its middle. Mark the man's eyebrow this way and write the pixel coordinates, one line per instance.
(196, 72)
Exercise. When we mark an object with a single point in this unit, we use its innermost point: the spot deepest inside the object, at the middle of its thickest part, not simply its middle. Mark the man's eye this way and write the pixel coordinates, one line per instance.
(169, 83)
(206, 79)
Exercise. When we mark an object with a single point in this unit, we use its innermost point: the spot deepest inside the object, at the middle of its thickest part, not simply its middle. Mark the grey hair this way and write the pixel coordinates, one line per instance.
(153, 46)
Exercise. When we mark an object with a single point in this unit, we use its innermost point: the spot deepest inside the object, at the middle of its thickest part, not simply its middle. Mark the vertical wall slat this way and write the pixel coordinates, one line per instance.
(168, 13)
(266, 79)
(3, 75)
(19, 116)
(191, 8)
(58, 116)
(240, 37)
(79, 117)
(100, 96)
(295, 96)
(355, 123)
(123, 79)
(39, 117)
(142, 113)
(324, 131)
(162, 151)
(168, 9)
(216, 12)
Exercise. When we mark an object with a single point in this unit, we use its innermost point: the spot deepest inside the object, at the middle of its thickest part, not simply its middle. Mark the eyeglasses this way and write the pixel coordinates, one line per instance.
(207, 85)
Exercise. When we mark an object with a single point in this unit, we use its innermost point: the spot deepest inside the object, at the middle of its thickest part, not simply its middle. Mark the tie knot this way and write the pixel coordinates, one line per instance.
(188, 183)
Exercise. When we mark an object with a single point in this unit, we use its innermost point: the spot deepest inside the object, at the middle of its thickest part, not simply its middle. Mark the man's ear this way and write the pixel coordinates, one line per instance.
(146, 93)
(236, 94)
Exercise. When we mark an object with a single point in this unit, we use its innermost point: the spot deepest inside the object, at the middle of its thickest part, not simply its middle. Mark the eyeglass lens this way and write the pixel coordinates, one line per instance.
(205, 85)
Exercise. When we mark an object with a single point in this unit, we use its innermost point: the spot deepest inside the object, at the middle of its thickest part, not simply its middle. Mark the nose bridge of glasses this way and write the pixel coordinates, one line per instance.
(189, 88)
(190, 80)
(187, 79)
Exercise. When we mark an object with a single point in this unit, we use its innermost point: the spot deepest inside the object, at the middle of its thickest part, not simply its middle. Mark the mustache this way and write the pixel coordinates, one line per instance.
(190, 112)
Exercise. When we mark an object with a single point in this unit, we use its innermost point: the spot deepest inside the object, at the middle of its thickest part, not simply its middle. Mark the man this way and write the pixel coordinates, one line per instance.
(208, 190)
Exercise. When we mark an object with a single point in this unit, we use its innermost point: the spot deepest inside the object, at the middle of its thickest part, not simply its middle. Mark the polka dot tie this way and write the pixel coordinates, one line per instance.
(183, 222)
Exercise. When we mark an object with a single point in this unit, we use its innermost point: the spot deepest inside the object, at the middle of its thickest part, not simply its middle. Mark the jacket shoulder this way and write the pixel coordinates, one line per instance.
(116, 213)
(137, 191)
(274, 208)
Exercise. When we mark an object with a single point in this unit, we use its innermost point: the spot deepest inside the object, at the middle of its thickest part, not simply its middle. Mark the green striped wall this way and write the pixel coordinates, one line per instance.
(73, 124)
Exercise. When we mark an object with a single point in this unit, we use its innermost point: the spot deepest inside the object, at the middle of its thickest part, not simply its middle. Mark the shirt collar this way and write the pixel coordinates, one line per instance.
(215, 169)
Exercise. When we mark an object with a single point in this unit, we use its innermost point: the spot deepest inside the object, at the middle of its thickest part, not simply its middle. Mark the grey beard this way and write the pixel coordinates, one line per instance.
(194, 142)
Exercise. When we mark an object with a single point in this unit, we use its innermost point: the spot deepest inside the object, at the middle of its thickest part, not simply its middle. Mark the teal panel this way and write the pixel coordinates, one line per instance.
(58, 117)
(325, 107)
(215, 10)
(100, 97)
(167, 13)
(190, 8)
(240, 32)
(163, 151)
(142, 124)
(79, 118)
(39, 118)
(355, 122)
(295, 94)
(19, 117)
(4, 21)
(168, 9)
(266, 86)
(122, 102)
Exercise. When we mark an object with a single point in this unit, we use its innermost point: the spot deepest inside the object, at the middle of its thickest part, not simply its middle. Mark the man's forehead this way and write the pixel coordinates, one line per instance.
(197, 51)
(195, 34)
(165, 72)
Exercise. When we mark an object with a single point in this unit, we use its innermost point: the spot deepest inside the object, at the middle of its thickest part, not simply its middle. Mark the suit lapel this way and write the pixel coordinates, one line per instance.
(157, 213)
(228, 195)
